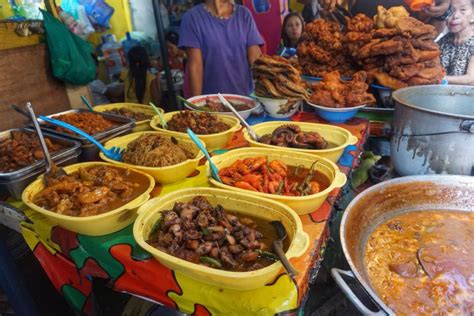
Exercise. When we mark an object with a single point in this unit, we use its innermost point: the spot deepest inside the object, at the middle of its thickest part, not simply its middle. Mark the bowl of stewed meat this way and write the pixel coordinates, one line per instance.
(218, 237)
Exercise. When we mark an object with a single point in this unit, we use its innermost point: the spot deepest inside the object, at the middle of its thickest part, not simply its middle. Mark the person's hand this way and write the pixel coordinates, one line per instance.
(438, 8)
(328, 4)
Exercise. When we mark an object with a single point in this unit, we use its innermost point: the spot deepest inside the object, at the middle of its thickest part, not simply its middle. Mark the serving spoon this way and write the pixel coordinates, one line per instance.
(278, 248)
(114, 153)
(86, 102)
(52, 171)
(197, 141)
(237, 114)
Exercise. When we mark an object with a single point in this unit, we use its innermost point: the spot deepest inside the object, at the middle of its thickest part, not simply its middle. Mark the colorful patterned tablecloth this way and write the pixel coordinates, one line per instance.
(71, 260)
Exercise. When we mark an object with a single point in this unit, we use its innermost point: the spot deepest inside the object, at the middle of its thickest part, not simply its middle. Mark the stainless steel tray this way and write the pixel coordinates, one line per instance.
(123, 123)
(15, 187)
(72, 149)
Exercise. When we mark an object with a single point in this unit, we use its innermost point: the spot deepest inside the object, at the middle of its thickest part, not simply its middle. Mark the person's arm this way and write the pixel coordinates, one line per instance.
(253, 53)
(155, 90)
(195, 69)
(467, 79)
(328, 5)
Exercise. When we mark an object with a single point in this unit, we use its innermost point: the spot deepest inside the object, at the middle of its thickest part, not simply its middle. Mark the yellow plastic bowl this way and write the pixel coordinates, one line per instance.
(162, 175)
(213, 141)
(140, 126)
(96, 225)
(242, 203)
(338, 137)
(301, 204)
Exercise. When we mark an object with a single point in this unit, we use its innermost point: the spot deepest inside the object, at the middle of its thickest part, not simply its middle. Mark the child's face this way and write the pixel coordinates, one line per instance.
(294, 28)
(461, 17)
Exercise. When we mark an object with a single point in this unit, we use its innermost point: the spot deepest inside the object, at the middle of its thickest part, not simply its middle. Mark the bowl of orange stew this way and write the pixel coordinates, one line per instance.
(93, 198)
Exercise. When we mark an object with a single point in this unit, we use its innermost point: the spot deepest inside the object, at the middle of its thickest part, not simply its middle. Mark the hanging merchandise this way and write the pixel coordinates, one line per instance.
(113, 56)
(84, 21)
(70, 22)
(70, 56)
(70, 6)
(99, 12)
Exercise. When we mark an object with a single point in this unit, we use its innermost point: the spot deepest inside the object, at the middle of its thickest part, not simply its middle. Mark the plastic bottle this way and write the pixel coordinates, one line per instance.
(261, 6)
(69, 21)
(127, 44)
(113, 56)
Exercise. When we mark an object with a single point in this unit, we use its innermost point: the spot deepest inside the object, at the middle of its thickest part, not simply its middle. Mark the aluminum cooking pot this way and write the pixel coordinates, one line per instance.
(433, 130)
(384, 201)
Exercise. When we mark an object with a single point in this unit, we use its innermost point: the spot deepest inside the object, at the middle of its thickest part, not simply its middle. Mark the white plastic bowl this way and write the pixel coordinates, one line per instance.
(273, 106)
(200, 101)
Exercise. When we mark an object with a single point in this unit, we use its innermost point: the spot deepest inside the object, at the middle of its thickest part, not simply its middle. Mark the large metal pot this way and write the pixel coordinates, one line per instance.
(433, 130)
(383, 201)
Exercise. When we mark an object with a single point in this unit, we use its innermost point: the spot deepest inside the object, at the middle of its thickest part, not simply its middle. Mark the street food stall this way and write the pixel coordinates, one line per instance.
(224, 208)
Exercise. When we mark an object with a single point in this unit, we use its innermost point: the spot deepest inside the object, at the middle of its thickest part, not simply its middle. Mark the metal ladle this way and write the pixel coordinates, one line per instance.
(237, 114)
(278, 248)
(52, 171)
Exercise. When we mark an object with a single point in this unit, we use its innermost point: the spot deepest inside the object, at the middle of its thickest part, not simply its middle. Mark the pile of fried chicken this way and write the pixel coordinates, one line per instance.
(275, 77)
(394, 49)
(401, 53)
(335, 93)
(321, 50)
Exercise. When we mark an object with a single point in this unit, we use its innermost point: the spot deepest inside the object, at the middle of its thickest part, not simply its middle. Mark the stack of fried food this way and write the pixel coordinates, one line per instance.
(400, 53)
(334, 93)
(275, 77)
(321, 50)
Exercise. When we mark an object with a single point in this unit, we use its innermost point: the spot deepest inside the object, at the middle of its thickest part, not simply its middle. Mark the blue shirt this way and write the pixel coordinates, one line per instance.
(223, 43)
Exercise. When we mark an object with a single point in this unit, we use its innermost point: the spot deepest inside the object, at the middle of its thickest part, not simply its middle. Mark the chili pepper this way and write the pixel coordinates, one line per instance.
(267, 255)
(210, 261)
(205, 231)
(286, 186)
(280, 187)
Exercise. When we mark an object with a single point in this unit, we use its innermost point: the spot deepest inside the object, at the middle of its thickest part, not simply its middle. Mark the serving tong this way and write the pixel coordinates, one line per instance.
(237, 114)
(339, 15)
(52, 171)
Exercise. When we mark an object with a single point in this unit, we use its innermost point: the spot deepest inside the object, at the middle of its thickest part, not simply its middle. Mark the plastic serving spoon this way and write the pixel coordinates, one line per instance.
(162, 119)
(52, 171)
(242, 120)
(278, 248)
(114, 153)
(86, 102)
(197, 141)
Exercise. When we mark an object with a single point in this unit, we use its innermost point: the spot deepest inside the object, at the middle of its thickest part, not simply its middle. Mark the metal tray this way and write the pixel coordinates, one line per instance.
(90, 152)
(15, 187)
(123, 124)
(72, 149)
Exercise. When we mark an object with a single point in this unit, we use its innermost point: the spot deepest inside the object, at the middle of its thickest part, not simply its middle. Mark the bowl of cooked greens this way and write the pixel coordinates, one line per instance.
(211, 103)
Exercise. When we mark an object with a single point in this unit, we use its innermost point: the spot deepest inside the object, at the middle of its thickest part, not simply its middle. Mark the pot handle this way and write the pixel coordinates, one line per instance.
(337, 276)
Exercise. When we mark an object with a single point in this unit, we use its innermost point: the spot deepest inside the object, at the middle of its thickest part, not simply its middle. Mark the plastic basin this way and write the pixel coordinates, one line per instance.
(162, 175)
(300, 204)
(212, 141)
(338, 137)
(97, 225)
(240, 202)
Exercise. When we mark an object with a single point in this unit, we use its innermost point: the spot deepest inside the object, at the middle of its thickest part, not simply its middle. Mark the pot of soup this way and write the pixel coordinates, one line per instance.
(409, 243)
(433, 130)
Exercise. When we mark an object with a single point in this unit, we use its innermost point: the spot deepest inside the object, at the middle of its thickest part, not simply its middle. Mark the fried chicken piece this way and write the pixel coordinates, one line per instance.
(418, 81)
(386, 80)
(435, 73)
(315, 52)
(385, 33)
(388, 47)
(415, 28)
(424, 44)
(424, 55)
(323, 98)
(405, 72)
(388, 18)
(360, 23)
(356, 99)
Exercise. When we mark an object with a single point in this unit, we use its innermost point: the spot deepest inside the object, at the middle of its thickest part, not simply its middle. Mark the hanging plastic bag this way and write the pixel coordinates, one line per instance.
(70, 55)
(84, 21)
(70, 6)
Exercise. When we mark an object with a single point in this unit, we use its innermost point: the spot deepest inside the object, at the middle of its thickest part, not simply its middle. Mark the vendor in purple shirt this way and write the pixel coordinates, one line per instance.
(221, 42)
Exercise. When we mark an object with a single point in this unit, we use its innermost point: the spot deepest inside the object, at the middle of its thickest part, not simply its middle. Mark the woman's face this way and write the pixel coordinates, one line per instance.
(294, 28)
(461, 17)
